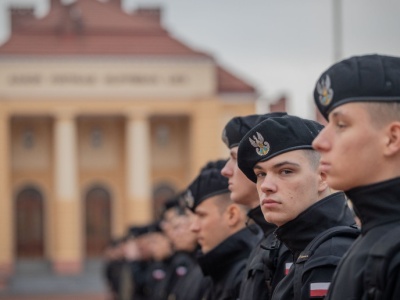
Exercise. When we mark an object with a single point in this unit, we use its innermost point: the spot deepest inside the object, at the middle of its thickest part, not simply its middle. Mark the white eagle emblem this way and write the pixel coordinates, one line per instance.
(262, 148)
(189, 199)
(325, 92)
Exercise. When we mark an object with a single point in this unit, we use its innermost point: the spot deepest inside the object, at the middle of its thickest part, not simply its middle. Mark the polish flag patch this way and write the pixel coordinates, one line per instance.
(319, 289)
(181, 271)
(158, 274)
(287, 267)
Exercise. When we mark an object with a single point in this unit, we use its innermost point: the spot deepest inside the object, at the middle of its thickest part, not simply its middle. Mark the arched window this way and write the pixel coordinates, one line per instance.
(29, 224)
(97, 221)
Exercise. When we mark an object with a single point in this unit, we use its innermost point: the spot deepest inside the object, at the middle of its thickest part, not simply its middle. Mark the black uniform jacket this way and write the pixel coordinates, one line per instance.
(132, 280)
(266, 263)
(178, 267)
(158, 276)
(299, 232)
(378, 207)
(190, 282)
(225, 264)
(112, 272)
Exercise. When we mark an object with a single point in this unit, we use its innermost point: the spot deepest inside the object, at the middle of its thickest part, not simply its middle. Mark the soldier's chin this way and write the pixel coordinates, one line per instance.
(238, 200)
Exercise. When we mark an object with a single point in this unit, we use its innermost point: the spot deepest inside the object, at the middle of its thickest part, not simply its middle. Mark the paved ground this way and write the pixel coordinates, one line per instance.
(36, 281)
(56, 297)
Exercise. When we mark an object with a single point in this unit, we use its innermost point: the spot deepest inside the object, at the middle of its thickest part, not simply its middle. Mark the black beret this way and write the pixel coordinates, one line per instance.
(176, 203)
(215, 164)
(369, 78)
(207, 184)
(136, 231)
(172, 202)
(237, 127)
(272, 137)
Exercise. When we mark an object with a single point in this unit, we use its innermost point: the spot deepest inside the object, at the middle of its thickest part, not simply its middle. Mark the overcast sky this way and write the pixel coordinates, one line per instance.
(280, 46)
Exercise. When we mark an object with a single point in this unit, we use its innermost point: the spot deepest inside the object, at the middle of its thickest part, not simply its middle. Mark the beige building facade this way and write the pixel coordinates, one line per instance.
(99, 123)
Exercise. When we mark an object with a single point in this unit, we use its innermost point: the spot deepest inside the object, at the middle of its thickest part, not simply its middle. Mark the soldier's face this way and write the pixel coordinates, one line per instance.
(167, 221)
(210, 225)
(182, 237)
(243, 190)
(287, 185)
(350, 148)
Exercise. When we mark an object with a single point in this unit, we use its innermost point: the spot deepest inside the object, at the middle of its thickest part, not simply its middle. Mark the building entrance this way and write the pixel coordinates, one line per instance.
(29, 224)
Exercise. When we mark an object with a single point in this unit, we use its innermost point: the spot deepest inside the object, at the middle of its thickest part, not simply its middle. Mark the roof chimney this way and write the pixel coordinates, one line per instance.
(19, 15)
(153, 13)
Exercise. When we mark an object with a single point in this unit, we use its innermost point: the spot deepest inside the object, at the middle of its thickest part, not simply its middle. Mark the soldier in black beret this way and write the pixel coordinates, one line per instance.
(267, 262)
(136, 262)
(360, 153)
(220, 227)
(175, 224)
(114, 261)
(277, 155)
(160, 270)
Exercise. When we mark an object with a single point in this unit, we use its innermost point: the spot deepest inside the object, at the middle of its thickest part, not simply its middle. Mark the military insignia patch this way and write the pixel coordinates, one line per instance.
(262, 148)
(287, 267)
(181, 271)
(324, 90)
(319, 289)
(158, 274)
(189, 199)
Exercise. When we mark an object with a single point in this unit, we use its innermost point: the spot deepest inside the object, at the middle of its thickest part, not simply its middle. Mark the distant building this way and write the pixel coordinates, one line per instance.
(103, 115)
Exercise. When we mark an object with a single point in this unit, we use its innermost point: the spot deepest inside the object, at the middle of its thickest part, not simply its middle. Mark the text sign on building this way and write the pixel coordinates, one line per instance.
(108, 79)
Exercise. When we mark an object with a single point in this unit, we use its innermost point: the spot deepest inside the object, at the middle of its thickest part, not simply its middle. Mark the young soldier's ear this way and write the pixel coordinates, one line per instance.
(233, 215)
(392, 146)
(323, 185)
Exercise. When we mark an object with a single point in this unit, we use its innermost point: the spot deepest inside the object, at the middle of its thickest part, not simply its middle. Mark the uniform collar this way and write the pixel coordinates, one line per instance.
(328, 212)
(257, 216)
(217, 261)
(376, 204)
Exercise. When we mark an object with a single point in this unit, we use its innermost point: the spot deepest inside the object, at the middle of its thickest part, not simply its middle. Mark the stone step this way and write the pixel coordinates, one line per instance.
(37, 277)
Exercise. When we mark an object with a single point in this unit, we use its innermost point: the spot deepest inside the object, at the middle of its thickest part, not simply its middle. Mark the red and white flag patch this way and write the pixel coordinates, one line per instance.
(287, 267)
(319, 289)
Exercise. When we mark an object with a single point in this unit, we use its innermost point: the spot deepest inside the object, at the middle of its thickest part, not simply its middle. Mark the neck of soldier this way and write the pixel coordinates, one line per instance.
(325, 193)
(254, 203)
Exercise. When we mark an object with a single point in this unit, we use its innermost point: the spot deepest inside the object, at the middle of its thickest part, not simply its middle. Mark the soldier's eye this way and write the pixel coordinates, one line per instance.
(286, 172)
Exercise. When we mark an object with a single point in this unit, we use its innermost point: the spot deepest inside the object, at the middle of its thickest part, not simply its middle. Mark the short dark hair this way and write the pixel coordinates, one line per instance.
(223, 201)
(313, 156)
(382, 113)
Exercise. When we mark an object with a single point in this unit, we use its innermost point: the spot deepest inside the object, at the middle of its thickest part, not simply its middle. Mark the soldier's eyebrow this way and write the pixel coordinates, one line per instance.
(278, 165)
(284, 163)
(257, 167)
(336, 114)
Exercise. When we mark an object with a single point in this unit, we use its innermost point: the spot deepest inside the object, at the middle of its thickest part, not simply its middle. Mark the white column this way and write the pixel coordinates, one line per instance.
(138, 168)
(6, 211)
(68, 214)
(65, 158)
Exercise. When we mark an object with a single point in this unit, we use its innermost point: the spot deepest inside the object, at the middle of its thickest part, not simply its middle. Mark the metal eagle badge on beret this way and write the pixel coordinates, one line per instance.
(189, 199)
(324, 90)
(262, 147)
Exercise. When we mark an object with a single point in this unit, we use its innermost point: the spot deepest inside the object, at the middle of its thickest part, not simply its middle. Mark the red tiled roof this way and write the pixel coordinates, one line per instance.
(90, 27)
(229, 83)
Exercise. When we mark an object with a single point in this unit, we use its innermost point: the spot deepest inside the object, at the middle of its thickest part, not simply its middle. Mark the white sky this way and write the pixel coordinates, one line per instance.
(280, 46)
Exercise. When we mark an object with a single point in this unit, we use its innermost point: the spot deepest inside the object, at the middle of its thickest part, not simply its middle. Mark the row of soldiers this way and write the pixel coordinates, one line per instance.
(273, 221)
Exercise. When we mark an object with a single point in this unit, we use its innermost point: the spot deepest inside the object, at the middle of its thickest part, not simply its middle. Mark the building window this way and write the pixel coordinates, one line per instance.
(96, 138)
(28, 139)
(162, 135)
